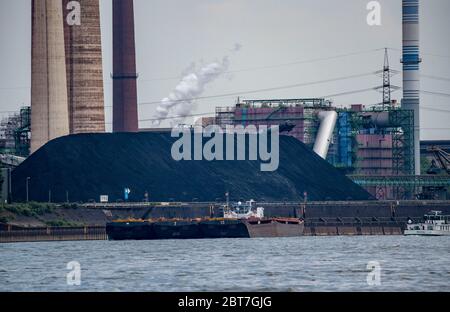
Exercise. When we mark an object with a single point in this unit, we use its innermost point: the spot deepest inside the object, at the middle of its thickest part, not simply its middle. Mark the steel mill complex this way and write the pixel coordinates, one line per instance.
(377, 147)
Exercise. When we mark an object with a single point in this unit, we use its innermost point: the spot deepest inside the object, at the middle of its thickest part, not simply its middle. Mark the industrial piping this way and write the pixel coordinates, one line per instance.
(328, 120)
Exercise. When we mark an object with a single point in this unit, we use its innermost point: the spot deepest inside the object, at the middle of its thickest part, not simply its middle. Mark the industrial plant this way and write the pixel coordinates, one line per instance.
(378, 147)
(225, 146)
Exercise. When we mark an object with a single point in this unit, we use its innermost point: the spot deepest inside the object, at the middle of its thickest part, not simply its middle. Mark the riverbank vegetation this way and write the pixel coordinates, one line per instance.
(31, 209)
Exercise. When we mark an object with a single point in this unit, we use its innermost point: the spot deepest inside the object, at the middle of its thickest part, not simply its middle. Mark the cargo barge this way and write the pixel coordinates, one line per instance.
(240, 221)
(205, 229)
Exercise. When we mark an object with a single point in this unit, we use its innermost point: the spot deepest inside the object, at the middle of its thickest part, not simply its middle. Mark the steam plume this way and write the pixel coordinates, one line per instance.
(181, 100)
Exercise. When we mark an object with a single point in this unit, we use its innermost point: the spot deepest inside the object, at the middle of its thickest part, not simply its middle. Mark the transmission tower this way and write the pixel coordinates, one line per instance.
(386, 81)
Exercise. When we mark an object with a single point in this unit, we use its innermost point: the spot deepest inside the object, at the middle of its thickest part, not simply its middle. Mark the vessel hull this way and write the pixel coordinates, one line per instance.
(130, 231)
(224, 229)
(204, 229)
(275, 229)
(177, 230)
(426, 233)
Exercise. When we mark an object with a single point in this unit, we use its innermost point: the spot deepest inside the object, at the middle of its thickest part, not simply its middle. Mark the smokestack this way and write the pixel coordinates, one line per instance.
(125, 112)
(411, 74)
(49, 111)
(84, 66)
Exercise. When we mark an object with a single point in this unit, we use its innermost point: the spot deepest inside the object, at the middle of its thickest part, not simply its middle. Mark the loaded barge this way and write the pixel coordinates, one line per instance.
(239, 221)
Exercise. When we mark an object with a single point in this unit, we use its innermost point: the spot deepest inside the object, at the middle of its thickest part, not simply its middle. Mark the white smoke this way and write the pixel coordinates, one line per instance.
(181, 100)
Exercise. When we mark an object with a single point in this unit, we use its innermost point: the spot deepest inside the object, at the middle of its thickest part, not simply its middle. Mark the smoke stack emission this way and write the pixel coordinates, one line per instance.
(411, 70)
(181, 100)
(125, 111)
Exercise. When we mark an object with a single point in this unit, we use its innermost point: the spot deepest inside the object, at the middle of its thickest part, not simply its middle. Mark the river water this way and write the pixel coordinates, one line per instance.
(293, 264)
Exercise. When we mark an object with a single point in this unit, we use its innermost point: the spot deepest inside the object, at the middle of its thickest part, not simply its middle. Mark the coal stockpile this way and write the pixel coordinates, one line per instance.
(83, 167)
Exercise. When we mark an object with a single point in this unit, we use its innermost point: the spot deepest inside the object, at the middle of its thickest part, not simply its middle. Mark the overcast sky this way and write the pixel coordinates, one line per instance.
(172, 34)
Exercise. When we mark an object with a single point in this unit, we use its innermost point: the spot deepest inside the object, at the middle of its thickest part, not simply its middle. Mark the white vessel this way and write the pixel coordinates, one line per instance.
(435, 224)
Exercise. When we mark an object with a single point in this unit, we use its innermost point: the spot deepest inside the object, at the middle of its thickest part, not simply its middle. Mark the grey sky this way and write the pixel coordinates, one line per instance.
(171, 34)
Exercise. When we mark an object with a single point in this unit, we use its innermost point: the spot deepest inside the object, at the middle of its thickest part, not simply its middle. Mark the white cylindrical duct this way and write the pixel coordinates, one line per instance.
(328, 121)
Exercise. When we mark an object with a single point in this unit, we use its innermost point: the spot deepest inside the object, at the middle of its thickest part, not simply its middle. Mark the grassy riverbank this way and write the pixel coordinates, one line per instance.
(39, 214)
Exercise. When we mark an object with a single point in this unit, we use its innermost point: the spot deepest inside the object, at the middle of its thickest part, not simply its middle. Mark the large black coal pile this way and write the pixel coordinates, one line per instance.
(83, 167)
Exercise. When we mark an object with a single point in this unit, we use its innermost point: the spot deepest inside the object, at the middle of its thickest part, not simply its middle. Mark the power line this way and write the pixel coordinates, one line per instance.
(435, 77)
(426, 76)
(439, 110)
(259, 90)
(428, 92)
(423, 53)
(435, 93)
(266, 89)
(178, 117)
(285, 87)
(213, 113)
(256, 68)
(325, 96)
(348, 93)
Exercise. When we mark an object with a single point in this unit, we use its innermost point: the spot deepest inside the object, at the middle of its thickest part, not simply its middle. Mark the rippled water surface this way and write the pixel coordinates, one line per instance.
(294, 264)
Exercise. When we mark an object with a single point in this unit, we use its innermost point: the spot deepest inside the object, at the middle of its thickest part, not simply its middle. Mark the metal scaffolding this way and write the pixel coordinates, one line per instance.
(15, 133)
(403, 141)
(401, 181)
(300, 113)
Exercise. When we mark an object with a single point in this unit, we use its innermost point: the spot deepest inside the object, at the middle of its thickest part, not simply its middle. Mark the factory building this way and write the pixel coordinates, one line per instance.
(375, 142)
(15, 133)
(83, 48)
(300, 114)
(50, 114)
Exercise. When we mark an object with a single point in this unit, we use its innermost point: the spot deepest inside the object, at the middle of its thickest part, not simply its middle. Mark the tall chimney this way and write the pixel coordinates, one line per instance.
(49, 109)
(125, 111)
(84, 66)
(411, 73)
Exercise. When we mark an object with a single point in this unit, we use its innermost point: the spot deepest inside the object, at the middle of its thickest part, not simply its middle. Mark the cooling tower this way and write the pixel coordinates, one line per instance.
(411, 73)
(125, 112)
(49, 109)
(84, 66)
